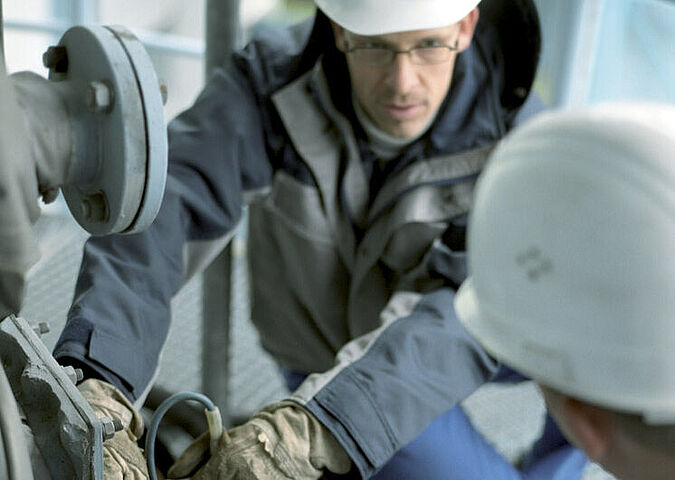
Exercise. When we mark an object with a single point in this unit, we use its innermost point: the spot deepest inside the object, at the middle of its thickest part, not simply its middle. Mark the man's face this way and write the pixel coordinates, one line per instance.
(402, 97)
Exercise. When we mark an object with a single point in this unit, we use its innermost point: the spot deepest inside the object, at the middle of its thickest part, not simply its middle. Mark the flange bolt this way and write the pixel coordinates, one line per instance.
(110, 427)
(74, 374)
(56, 59)
(98, 97)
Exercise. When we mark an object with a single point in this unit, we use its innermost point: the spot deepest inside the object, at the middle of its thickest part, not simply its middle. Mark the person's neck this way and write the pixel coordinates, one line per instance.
(632, 460)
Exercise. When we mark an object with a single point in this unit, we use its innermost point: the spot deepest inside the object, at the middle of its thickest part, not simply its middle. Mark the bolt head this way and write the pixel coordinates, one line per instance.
(94, 207)
(164, 92)
(41, 328)
(71, 374)
(108, 427)
(48, 58)
(98, 97)
(56, 59)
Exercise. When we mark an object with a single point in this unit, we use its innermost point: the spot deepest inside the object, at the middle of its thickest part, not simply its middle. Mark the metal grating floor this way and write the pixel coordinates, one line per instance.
(510, 417)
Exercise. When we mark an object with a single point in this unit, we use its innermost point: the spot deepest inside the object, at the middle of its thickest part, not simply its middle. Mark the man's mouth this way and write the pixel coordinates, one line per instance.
(403, 111)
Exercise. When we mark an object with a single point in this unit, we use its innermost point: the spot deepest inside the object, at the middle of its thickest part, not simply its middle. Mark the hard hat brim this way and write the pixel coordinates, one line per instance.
(553, 367)
(470, 314)
(380, 17)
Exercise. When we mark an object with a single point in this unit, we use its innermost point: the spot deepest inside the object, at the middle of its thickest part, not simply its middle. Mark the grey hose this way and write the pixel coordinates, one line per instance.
(213, 418)
(13, 438)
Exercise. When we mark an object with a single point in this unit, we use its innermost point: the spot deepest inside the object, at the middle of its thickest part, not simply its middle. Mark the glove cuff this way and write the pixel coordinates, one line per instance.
(304, 441)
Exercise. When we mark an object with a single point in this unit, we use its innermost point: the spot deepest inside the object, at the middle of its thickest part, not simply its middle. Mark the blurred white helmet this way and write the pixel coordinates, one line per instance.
(572, 256)
(379, 17)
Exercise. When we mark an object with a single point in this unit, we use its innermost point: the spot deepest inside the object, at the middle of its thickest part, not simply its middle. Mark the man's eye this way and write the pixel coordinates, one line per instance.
(371, 45)
(430, 43)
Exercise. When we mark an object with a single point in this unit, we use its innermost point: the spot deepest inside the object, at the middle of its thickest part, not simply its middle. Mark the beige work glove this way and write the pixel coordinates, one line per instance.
(281, 442)
(123, 459)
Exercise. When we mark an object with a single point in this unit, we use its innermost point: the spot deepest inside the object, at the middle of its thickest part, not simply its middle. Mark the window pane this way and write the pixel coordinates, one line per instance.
(635, 56)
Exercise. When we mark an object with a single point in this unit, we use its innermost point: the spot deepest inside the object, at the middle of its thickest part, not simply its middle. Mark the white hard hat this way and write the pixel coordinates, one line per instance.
(572, 256)
(379, 17)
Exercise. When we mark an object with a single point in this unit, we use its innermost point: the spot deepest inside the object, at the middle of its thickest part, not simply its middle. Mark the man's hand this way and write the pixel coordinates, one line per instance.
(122, 457)
(281, 442)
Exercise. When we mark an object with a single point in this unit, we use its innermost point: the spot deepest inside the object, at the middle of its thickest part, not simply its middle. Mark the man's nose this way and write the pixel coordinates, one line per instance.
(403, 73)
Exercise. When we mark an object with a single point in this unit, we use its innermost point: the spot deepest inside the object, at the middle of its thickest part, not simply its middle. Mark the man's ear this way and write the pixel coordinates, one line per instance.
(467, 26)
(339, 35)
(590, 426)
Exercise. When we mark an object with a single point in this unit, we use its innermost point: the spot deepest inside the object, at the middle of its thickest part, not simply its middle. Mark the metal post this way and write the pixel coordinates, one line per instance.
(223, 32)
(570, 32)
(222, 36)
(582, 54)
(74, 12)
(84, 12)
(2, 36)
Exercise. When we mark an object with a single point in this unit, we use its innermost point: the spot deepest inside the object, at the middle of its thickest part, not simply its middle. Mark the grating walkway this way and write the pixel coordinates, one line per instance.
(510, 417)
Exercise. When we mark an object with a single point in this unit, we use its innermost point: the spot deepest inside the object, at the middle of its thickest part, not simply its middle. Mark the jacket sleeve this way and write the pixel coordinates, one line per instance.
(120, 316)
(388, 385)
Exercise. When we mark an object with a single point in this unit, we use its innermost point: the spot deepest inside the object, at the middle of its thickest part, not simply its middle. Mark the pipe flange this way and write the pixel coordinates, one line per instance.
(118, 173)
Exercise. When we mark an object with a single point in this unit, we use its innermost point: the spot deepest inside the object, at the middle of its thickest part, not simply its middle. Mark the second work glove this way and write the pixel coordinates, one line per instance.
(281, 442)
(123, 459)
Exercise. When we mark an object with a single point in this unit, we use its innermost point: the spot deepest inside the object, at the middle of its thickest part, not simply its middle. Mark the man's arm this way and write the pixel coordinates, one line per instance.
(385, 389)
(390, 384)
(119, 320)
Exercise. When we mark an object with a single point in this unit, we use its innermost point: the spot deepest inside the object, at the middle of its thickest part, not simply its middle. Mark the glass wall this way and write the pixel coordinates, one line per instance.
(599, 50)
(635, 52)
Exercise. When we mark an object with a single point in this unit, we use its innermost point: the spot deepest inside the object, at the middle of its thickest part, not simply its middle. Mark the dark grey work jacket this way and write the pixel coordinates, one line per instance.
(353, 266)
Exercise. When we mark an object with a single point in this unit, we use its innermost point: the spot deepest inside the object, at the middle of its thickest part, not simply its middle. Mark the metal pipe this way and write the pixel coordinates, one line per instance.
(150, 40)
(12, 437)
(583, 23)
(84, 12)
(223, 31)
(222, 36)
(2, 35)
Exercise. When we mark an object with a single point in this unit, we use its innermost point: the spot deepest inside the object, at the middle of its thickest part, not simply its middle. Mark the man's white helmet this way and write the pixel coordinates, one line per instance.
(379, 17)
(572, 256)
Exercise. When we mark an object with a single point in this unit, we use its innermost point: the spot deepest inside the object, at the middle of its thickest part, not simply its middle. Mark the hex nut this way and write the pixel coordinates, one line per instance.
(41, 328)
(94, 207)
(74, 374)
(110, 427)
(98, 97)
(56, 59)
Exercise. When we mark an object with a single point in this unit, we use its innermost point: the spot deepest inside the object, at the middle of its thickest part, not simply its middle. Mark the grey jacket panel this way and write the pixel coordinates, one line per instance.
(314, 288)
